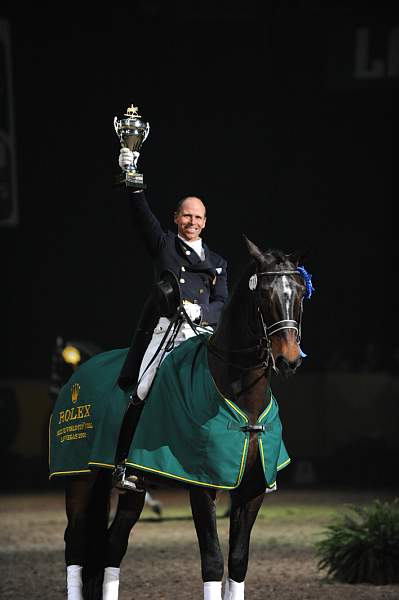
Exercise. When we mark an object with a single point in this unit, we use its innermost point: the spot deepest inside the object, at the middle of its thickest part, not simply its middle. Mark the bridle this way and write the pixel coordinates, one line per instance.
(284, 323)
(269, 330)
(264, 345)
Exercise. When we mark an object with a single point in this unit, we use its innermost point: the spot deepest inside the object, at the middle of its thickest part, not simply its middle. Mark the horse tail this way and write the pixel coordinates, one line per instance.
(97, 526)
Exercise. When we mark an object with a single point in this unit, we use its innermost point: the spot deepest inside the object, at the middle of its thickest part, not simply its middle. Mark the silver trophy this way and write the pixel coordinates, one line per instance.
(132, 132)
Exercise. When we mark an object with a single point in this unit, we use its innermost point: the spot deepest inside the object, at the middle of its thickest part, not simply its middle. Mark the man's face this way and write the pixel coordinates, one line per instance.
(191, 219)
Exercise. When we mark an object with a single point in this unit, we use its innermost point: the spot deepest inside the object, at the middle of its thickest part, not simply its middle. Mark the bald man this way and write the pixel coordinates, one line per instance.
(202, 281)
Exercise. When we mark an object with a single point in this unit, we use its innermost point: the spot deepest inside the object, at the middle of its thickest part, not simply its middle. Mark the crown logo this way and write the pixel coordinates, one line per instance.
(75, 389)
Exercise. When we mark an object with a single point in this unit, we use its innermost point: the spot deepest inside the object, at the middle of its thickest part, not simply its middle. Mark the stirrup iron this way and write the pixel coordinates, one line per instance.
(125, 482)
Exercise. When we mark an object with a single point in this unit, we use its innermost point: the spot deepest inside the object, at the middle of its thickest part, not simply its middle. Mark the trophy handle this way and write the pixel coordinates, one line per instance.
(116, 125)
(147, 131)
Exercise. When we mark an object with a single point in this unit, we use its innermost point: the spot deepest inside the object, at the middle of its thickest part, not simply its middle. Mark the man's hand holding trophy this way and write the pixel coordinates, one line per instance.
(132, 131)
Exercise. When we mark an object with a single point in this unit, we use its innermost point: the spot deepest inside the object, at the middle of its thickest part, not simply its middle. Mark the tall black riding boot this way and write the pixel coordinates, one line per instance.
(121, 478)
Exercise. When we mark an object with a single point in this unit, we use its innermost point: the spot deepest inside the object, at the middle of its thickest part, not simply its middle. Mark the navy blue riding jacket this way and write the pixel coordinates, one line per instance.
(201, 282)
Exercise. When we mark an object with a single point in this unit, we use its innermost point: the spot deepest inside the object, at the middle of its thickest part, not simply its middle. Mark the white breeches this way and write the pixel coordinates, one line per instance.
(146, 377)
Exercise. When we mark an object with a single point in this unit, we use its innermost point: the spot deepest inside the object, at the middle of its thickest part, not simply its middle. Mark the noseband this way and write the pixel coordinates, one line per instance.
(264, 347)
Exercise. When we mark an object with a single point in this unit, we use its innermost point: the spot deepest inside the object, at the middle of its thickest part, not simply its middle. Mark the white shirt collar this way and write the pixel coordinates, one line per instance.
(196, 245)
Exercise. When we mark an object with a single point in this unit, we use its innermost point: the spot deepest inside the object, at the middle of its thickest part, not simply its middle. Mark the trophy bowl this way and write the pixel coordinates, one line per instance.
(132, 132)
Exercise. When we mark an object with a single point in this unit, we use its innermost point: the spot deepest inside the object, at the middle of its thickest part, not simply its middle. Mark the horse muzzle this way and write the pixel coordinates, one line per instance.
(286, 351)
(285, 367)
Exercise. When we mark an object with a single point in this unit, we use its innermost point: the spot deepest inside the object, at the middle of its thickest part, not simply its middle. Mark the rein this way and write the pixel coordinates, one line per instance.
(264, 344)
(217, 352)
(175, 323)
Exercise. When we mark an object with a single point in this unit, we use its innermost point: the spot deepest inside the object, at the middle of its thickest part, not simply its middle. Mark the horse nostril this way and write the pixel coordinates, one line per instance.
(287, 368)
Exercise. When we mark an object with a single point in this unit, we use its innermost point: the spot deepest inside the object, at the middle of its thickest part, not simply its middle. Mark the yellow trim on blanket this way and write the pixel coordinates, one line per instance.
(240, 411)
(164, 474)
(208, 485)
(262, 454)
(69, 472)
(243, 460)
(284, 464)
(49, 440)
(234, 407)
(267, 409)
(229, 402)
(98, 464)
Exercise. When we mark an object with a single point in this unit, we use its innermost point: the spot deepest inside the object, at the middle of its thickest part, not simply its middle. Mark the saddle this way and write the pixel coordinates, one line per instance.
(164, 300)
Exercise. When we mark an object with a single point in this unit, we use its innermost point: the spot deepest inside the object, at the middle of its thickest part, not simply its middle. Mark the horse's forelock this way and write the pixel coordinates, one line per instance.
(276, 256)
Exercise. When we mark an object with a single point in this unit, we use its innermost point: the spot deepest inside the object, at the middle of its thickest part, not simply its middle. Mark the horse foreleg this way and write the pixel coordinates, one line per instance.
(242, 518)
(203, 509)
(130, 506)
(77, 498)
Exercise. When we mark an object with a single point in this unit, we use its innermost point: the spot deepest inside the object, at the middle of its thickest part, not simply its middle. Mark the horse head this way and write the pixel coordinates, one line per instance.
(278, 286)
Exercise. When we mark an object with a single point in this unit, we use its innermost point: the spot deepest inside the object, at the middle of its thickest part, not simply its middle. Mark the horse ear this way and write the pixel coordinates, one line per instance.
(253, 250)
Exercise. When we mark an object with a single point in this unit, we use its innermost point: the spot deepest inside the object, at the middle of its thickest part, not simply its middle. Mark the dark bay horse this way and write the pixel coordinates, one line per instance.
(258, 336)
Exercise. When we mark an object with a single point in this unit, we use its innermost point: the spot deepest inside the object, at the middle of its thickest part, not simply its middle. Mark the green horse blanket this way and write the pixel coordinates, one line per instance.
(187, 431)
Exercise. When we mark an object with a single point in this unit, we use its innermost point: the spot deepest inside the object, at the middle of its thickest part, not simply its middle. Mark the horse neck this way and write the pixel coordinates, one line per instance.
(239, 330)
(236, 328)
(252, 392)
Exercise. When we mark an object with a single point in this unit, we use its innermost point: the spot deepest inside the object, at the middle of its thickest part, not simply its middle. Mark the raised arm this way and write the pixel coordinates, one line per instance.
(146, 223)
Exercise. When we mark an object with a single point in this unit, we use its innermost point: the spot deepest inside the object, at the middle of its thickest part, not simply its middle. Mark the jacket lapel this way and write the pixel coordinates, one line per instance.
(202, 266)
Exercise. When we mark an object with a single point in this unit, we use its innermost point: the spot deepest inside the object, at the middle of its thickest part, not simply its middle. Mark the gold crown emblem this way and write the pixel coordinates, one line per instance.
(75, 389)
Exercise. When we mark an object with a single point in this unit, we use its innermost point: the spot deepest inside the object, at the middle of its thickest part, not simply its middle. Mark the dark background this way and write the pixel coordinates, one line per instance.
(254, 106)
(255, 109)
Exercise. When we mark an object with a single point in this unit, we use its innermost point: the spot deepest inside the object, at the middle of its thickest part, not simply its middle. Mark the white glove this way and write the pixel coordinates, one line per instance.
(193, 311)
(127, 158)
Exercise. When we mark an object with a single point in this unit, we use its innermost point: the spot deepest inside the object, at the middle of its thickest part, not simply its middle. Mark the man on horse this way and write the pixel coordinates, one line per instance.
(187, 274)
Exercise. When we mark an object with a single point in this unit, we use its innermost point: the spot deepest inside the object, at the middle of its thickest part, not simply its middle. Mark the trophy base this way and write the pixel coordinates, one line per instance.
(134, 181)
